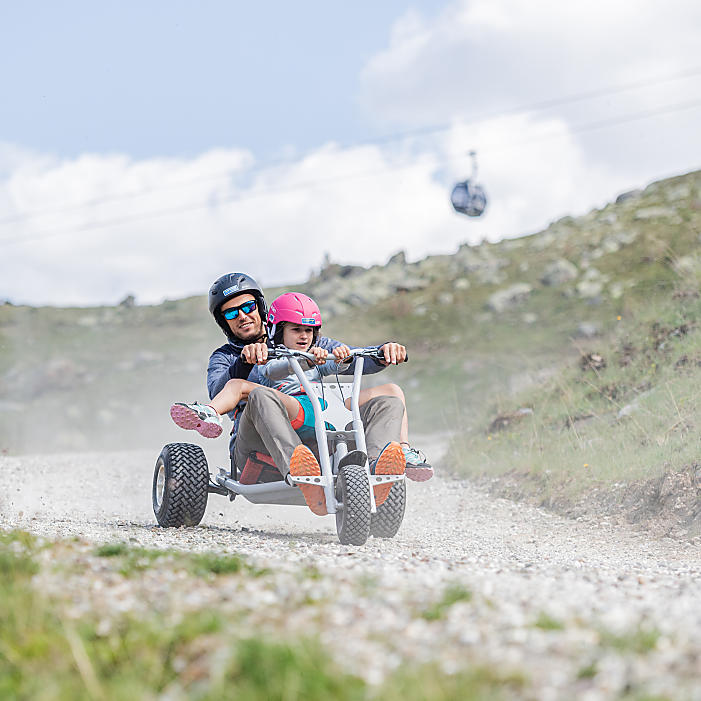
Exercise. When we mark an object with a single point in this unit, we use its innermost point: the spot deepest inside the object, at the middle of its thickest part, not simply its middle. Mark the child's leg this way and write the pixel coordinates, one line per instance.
(231, 394)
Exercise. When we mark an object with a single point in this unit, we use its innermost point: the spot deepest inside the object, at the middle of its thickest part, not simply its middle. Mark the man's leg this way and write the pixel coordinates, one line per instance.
(265, 427)
(382, 419)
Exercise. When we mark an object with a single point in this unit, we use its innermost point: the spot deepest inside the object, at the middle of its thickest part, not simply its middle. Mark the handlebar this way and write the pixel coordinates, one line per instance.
(282, 352)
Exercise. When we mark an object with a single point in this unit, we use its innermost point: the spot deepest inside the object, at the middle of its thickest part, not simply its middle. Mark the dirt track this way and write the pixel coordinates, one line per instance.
(573, 605)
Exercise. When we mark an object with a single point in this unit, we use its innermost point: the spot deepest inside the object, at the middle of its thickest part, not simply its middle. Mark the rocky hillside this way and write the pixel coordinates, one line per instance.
(481, 324)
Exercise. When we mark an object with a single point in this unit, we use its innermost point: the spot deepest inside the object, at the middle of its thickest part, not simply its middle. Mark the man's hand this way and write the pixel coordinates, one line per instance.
(394, 353)
(255, 353)
(320, 355)
(341, 353)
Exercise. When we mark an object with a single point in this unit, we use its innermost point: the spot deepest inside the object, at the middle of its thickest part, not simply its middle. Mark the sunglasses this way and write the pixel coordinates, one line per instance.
(246, 308)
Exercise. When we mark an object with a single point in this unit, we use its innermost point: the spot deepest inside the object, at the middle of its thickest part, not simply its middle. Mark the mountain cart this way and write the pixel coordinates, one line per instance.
(182, 482)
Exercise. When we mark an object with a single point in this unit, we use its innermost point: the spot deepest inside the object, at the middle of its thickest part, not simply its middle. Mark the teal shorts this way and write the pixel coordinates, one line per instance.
(303, 423)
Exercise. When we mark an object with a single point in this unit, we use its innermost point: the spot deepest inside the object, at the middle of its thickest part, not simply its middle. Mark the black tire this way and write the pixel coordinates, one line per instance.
(353, 518)
(385, 522)
(180, 481)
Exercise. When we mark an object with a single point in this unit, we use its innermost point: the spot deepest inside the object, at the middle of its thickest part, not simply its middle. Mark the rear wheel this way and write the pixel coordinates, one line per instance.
(180, 482)
(385, 522)
(353, 515)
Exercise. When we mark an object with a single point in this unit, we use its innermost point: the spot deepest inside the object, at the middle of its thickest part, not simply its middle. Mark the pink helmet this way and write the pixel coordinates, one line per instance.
(294, 307)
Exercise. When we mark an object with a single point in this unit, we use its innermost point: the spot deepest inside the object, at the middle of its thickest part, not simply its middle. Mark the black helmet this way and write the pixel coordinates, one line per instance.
(228, 286)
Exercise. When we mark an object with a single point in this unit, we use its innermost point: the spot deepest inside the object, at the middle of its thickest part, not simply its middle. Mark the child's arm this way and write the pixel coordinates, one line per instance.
(275, 370)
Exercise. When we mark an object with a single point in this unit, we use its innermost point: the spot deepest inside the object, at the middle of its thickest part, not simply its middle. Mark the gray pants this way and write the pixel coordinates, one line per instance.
(265, 427)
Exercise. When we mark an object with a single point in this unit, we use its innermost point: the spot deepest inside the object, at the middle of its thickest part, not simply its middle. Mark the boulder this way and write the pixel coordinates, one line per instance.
(591, 285)
(655, 213)
(630, 195)
(559, 272)
(588, 329)
(509, 297)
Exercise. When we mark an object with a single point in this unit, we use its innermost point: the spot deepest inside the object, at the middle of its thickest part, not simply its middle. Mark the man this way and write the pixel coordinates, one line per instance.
(262, 424)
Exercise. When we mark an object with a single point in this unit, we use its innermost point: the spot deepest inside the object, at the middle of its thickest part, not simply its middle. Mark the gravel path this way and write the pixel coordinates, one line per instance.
(578, 608)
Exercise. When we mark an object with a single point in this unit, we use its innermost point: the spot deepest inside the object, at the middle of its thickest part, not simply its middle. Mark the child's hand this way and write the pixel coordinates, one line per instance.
(320, 355)
(341, 352)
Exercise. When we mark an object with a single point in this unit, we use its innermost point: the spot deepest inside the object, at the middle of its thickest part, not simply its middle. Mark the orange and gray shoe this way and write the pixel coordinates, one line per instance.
(390, 461)
(304, 464)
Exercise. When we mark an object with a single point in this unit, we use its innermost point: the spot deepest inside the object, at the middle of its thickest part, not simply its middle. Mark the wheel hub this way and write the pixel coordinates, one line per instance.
(160, 484)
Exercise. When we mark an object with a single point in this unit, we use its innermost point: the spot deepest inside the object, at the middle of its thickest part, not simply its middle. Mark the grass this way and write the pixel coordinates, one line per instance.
(452, 595)
(135, 559)
(623, 411)
(546, 622)
(640, 641)
(47, 654)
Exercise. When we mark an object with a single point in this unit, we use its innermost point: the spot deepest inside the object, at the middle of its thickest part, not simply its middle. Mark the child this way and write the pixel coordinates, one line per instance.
(294, 321)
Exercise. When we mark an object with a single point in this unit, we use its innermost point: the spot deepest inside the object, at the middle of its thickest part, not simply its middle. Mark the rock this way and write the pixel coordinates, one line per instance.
(591, 284)
(616, 290)
(655, 213)
(503, 421)
(588, 329)
(559, 272)
(509, 297)
(397, 259)
(592, 361)
(462, 283)
(630, 195)
(445, 298)
(530, 318)
(634, 406)
(678, 192)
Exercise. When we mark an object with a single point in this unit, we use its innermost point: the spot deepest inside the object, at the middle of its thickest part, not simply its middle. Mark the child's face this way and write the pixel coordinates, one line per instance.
(297, 337)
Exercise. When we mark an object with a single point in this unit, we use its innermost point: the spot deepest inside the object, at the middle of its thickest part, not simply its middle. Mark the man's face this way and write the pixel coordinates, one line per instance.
(246, 326)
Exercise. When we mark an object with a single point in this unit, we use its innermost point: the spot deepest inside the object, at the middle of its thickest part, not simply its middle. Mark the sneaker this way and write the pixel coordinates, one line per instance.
(417, 468)
(200, 417)
(389, 462)
(304, 464)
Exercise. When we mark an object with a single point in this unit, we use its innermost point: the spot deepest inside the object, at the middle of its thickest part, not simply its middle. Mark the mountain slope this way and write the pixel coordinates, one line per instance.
(481, 325)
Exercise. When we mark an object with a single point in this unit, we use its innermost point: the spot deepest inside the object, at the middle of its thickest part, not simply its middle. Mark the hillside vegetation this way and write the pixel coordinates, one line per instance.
(499, 336)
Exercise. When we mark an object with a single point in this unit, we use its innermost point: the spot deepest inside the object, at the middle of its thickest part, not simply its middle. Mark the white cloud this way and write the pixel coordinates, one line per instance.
(176, 224)
(482, 56)
(189, 224)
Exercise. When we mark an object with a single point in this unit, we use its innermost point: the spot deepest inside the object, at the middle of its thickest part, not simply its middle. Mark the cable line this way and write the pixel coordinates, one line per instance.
(390, 138)
(591, 126)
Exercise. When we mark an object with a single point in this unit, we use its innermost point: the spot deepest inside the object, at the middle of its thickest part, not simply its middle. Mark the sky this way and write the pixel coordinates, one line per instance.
(148, 147)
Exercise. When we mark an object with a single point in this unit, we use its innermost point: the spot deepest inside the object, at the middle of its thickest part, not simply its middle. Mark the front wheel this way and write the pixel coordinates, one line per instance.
(353, 515)
(180, 482)
(386, 520)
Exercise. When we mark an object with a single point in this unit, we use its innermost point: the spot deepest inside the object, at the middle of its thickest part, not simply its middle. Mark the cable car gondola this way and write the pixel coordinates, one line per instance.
(468, 197)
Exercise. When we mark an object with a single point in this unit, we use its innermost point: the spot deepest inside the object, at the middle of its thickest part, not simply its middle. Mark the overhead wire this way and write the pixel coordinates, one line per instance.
(304, 185)
(386, 139)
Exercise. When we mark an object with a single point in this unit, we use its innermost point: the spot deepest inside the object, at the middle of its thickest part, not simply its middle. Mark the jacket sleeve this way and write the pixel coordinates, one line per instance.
(275, 370)
(224, 366)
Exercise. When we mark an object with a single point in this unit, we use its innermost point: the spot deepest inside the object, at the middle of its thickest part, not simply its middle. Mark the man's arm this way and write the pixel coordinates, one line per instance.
(370, 366)
(224, 366)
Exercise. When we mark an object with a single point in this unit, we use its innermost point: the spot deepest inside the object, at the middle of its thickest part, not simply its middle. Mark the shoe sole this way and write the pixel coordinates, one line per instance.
(304, 464)
(390, 462)
(419, 473)
(189, 420)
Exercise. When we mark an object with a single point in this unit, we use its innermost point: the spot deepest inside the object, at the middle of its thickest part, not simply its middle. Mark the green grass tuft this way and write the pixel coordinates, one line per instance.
(452, 595)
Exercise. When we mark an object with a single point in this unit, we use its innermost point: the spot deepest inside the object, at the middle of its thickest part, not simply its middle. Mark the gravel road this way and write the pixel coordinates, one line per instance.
(579, 608)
